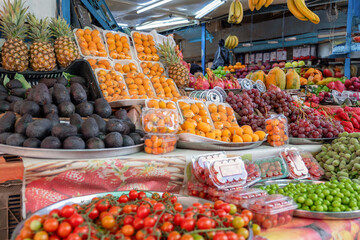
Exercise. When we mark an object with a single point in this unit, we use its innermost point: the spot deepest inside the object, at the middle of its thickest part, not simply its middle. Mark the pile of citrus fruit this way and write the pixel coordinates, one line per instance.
(118, 46)
(145, 47)
(90, 42)
(112, 85)
(139, 86)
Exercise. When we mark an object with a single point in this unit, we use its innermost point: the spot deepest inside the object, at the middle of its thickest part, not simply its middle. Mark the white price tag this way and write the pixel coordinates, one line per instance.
(266, 56)
(273, 56)
(258, 57)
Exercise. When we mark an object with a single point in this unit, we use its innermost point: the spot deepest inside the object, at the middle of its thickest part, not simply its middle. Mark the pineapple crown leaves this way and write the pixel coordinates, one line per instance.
(39, 29)
(60, 28)
(168, 53)
(12, 21)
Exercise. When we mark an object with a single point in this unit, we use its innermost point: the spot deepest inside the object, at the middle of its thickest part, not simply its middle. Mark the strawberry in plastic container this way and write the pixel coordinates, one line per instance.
(296, 166)
(315, 170)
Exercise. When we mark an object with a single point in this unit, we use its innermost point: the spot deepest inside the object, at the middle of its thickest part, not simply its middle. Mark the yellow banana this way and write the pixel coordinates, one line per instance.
(251, 5)
(241, 16)
(236, 42)
(260, 4)
(237, 9)
(233, 40)
(255, 2)
(268, 2)
(301, 6)
(231, 12)
(293, 9)
(317, 19)
(227, 42)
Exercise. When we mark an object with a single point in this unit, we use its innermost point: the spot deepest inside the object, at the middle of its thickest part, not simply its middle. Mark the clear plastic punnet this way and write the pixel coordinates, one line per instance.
(165, 87)
(199, 162)
(226, 173)
(160, 143)
(191, 110)
(315, 170)
(197, 189)
(112, 85)
(118, 45)
(222, 115)
(253, 172)
(152, 69)
(90, 42)
(126, 66)
(296, 166)
(139, 85)
(145, 46)
(238, 198)
(160, 121)
(277, 130)
(272, 168)
(98, 62)
(271, 210)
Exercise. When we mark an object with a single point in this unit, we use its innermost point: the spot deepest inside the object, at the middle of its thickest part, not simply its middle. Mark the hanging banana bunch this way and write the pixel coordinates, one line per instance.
(299, 9)
(258, 4)
(231, 42)
(236, 12)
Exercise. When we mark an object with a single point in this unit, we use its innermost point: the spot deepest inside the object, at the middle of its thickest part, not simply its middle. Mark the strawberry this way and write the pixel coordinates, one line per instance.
(343, 115)
(348, 125)
(355, 122)
(346, 129)
(37, 198)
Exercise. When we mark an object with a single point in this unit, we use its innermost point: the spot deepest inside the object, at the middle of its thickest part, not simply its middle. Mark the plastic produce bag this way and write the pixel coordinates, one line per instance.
(222, 56)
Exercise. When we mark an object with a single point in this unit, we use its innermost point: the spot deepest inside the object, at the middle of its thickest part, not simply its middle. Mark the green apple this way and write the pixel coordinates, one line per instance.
(294, 64)
(301, 63)
(222, 72)
(288, 65)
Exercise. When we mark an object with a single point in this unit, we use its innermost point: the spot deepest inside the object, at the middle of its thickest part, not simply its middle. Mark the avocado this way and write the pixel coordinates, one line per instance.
(22, 123)
(77, 93)
(62, 80)
(60, 94)
(77, 121)
(12, 98)
(30, 107)
(140, 132)
(39, 129)
(89, 128)
(3, 95)
(130, 127)
(66, 109)
(3, 89)
(113, 140)
(17, 106)
(13, 84)
(122, 115)
(95, 143)
(115, 125)
(128, 141)
(54, 118)
(100, 122)
(32, 143)
(136, 138)
(16, 139)
(51, 142)
(18, 92)
(4, 106)
(51, 91)
(102, 108)
(84, 109)
(74, 142)
(63, 130)
(29, 94)
(41, 95)
(49, 82)
(49, 108)
(7, 122)
(78, 79)
(4, 136)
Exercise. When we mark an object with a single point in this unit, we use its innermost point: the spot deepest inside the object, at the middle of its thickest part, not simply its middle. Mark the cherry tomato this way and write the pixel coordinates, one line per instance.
(138, 223)
(127, 209)
(76, 219)
(128, 220)
(102, 205)
(123, 199)
(188, 224)
(104, 214)
(248, 213)
(256, 229)
(151, 238)
(228, 220)
(246, 219)
(155, 196)
(231, 235)
(186, 237)
(173, 199)
(149, 222)
(115, 211)
(67, 211)
(82, 231)
(178, 219)
(220, 236)
(166, 195)
(217, 204)
(51, 224)
(166, 217)
(178, 207)
(141, 195)
(140, 235)
(134, 207)
(133, 194)
(108, 222)
(197, 236)
(281, 220)
(64, 229)
(159, 208)
(266, 223)
(221, 213)
(233, 209)
(225, 207)
(238, 222)
(54, 213)
(174, 236)
(54, 237)
(42, 235)
(93, 214)
(204, 223)
(73, 236)
(208, 205)
(128, 230)
(167, 227)
(210, 235)
(243, 232)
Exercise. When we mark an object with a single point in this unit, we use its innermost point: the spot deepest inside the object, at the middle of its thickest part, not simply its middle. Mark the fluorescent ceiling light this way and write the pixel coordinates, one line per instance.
(157, 24)
(290, 39)
(273, 42)
(247, 44)
(122, 24)
(153, 6)
(209, 8)
(148, 3)
(336, 34)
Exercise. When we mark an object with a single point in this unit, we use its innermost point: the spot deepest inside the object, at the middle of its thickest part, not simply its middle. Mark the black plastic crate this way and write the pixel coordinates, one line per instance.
(79, 67)
(10, 207)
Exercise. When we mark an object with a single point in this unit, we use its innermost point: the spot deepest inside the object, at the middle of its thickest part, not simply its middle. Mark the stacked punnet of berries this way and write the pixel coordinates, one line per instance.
(306, 123)
(140, 216)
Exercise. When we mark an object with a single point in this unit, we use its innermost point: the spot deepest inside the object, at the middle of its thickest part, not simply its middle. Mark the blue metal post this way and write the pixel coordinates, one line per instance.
(65, 7)
(203, 46)
(350, 16)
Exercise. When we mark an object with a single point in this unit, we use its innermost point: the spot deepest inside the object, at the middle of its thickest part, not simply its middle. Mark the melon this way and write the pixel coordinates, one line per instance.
(292, 80)
(259, 75)
(277, 78)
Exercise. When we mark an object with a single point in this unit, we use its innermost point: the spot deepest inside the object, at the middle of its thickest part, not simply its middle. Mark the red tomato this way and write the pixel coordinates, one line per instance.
(127, 209)
(128, 220)
(174, 236)
(42, 235)
(149, 222)
(288, 218)
(217, 204)
(54, 237)
(248, 213)
(54, 213)
(128, 230)
(220, 236)
(178, 219)
(73, 236)
(246, 219)
(225, 207)
(104, 214)
(141, 195)
(108, 222)
(167, 227)
(138, 223)
(266, 224)
(67, 211)
(123, 199)
(83, 231)
(166, 217)
(159, 208)
(133, 194)
(231, 235)
(115, 211)
(102, 205)
(64, 229)
(186, 237)
(134, 207)
(51, 224)
(281, 220)
(228, 220)
(76, 219)
(140, 235)
(204, 223)
(155, 196)
(178, 207)
(26, 232)
(166, 195)
(188, 224)
(173, 199)
(221, 213)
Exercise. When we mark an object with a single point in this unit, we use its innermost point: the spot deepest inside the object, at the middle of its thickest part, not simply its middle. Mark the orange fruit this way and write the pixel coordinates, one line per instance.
(247, 138)
(200, 133)
(218, 125)
(212, 108)
(205, 119)
(203, 112)
(191, 131)
(261, 135)
(210, 134)
(255, 138)
(237, 139)
(218, 132)
(215, 117)
(226, 133)
(247, 130)
(225, 139)
(221, 108)
(184, 106)
(205, 127)
(188, 125)
(194, 108)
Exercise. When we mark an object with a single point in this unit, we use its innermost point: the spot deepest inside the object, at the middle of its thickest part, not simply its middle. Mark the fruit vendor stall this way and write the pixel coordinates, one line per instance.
(111, 133)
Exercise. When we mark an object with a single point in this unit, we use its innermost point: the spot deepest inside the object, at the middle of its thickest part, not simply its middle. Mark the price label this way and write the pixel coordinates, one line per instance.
(296, 53)
(252, 58)
(313, 51)
(247, 58)
(266, 57)
(273, 56)
(258, 57)
(230, 170)
(281, 55)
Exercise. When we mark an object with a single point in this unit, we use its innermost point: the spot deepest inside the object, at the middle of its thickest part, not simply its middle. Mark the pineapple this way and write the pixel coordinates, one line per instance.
(42, 54)
(65, 48)
(177, 71)
(15, 53)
